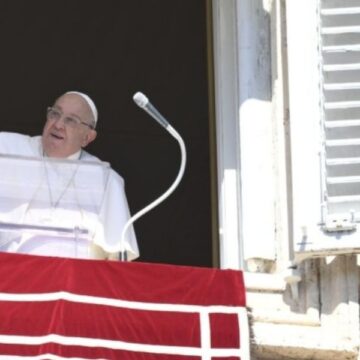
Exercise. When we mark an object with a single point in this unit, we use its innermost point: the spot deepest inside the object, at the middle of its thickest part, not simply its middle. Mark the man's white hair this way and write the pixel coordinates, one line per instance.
(88, 100)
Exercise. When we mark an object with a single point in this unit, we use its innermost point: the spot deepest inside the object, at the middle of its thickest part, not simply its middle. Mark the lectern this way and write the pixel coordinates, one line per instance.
(60, 207)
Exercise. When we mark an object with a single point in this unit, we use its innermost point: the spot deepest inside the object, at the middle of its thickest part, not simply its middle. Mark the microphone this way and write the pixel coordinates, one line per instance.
(143, 102)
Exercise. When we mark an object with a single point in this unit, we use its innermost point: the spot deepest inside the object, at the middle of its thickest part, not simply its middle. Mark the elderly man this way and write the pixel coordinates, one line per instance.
(69, 128)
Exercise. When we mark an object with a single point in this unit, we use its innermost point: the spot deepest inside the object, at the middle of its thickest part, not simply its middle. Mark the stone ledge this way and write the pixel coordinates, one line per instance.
(280, 342)
(258, 282)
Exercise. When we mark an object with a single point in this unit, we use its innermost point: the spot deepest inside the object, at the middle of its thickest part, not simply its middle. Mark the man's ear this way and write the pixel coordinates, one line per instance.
(89, 137)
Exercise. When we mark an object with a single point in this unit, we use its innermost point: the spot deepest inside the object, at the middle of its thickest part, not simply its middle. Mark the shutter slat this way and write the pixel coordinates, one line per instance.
(342, 105)
(342, 123)
(342, 142)
(342, 161)
(344, 199)
(340, 30)
(342, 86)
(341, 67)
(340, 11)
(343, 180)
(341, 48)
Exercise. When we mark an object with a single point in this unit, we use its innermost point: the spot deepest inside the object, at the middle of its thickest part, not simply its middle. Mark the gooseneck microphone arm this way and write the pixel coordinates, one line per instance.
(143, 102)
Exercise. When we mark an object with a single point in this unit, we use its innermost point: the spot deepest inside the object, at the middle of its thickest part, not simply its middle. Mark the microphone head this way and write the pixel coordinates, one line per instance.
(140, 99)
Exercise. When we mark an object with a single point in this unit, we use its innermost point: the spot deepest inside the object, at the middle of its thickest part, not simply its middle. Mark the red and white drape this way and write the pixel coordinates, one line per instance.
(57, 308)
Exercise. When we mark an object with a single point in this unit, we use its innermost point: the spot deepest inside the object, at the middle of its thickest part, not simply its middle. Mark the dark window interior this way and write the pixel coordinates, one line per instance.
(110, 50)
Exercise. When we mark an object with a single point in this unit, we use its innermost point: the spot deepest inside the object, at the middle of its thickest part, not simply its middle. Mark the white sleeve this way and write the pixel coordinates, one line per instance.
(114, 214)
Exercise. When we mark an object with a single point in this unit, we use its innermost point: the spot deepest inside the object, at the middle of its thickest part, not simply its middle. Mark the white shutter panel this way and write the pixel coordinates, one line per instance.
(340, 68)
(324, 104)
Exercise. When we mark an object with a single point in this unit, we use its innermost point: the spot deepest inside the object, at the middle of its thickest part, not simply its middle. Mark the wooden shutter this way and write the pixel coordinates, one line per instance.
(339, 34)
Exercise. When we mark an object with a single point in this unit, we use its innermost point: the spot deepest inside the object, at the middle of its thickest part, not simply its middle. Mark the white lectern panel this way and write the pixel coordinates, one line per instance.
(49, 203)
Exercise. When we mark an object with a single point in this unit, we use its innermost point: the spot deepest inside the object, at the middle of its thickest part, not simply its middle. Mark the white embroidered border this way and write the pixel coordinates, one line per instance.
(205, 351)
(44, 357)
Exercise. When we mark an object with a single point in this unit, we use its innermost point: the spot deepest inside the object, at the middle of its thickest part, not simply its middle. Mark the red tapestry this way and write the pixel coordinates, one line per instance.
(57, 308)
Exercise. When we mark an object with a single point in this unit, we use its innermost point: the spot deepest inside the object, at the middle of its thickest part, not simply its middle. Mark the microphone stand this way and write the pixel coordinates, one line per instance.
(149, 108)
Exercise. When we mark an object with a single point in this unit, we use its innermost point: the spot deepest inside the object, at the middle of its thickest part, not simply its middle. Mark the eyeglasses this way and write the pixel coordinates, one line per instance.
(55, 114)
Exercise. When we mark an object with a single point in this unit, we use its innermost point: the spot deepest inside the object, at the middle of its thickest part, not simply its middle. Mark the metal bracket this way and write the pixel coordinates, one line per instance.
(335, 224)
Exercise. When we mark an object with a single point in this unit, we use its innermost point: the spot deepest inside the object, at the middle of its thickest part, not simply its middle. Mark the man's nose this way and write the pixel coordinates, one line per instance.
(60, 123)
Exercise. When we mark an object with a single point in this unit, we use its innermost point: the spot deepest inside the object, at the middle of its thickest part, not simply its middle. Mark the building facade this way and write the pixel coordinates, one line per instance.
(287, 100)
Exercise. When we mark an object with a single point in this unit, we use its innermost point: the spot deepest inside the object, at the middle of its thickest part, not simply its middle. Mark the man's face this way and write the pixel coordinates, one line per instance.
(61, 137)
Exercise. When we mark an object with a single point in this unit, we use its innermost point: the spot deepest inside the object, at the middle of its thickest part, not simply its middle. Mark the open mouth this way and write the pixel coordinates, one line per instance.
(57, 136)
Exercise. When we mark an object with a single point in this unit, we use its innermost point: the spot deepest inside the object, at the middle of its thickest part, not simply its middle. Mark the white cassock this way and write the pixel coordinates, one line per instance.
(80, 193)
